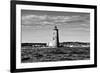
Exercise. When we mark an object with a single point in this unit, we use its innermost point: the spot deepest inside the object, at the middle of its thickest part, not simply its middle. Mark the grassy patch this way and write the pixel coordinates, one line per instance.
(30, 54)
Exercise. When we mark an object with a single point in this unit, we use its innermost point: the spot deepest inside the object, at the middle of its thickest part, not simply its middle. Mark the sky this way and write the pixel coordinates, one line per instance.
(37, 26)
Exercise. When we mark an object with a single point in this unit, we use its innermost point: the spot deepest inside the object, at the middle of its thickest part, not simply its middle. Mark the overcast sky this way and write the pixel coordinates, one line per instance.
(37, 26)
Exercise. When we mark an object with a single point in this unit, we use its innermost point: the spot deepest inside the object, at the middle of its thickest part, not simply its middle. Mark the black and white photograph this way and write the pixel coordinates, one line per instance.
(52, 36)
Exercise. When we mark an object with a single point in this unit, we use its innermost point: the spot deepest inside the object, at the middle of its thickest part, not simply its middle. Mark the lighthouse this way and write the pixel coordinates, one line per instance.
(55, 39)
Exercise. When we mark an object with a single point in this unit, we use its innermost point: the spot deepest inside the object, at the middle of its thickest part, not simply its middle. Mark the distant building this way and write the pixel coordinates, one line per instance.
(34, 44)
(74, 44)
(39, 45)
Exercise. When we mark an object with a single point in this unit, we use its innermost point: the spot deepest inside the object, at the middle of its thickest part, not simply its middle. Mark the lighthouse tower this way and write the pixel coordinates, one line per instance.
(55, 37)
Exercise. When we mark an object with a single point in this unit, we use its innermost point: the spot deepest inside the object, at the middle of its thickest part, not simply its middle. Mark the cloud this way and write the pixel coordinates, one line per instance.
(85, 25)
(41, 20)
(78, 29)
